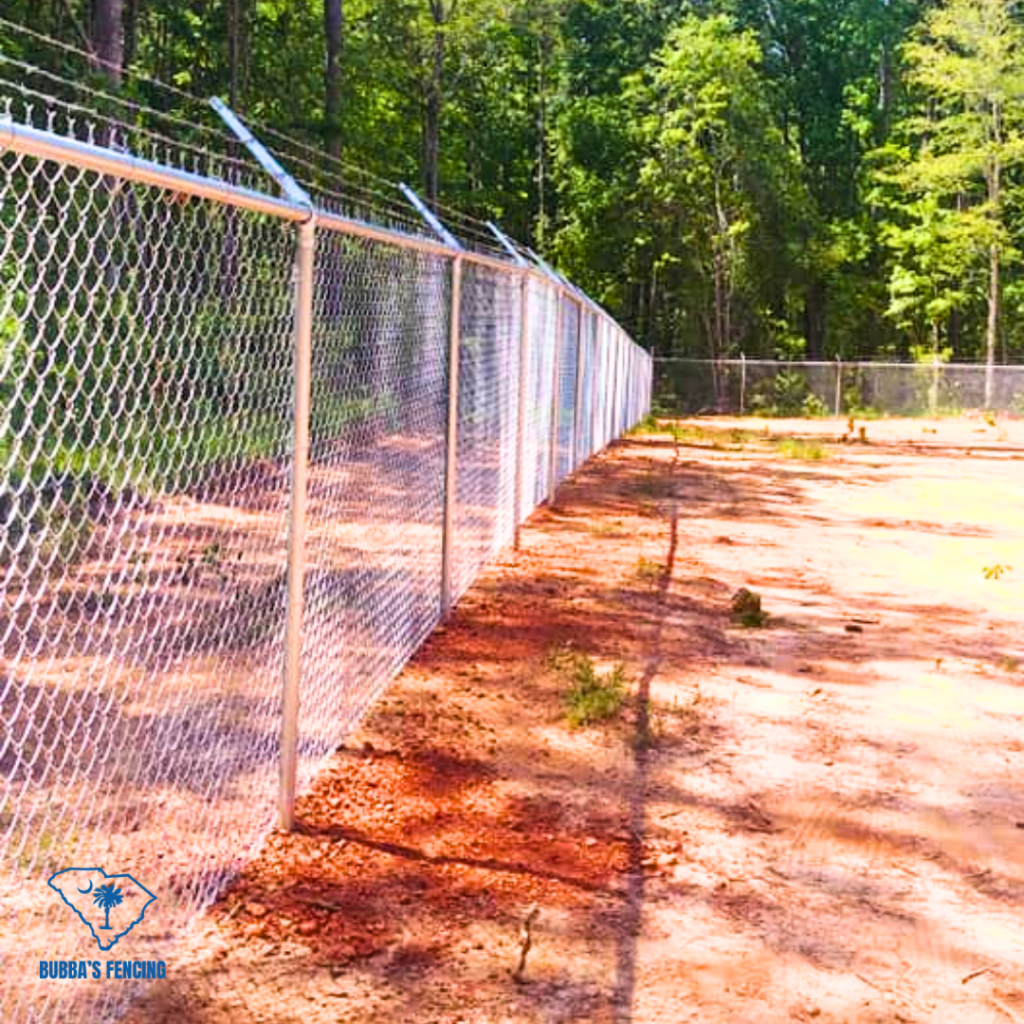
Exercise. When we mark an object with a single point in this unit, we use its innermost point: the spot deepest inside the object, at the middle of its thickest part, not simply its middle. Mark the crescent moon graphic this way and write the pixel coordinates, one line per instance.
(84, 891)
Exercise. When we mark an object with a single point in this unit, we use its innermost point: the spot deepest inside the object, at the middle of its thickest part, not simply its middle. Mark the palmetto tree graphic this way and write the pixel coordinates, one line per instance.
(107, 897)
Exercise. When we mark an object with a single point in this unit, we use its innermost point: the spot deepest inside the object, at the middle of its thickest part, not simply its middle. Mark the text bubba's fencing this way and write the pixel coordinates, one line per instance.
(239, 443)
(836, 388)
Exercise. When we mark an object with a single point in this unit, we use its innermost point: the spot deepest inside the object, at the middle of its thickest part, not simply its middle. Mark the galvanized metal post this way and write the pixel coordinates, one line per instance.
(452, 441)
(524, 344)
(613, 423)
(595, 383)
(578, 390)
(304, 267)
(305, 257)
(556, 401)
(743, 383)
(839, 386)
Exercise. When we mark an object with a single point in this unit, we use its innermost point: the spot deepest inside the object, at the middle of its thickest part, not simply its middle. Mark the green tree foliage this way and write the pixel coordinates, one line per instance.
(963, 139)
(793, 177)
(718, 181)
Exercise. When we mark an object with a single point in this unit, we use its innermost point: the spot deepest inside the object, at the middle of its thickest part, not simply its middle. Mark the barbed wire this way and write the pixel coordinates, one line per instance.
(340, 185)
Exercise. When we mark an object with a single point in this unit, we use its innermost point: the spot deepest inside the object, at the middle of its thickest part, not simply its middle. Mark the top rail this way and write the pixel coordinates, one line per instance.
(20, 138)
(44, 145)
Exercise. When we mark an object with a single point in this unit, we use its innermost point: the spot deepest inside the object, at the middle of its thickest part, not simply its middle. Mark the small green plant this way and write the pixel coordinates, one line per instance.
(606, 528)
(814, 407)
(594, 696)
(649, 571)
(746, 609)
(648, 425)
(997, 571)
(798, 448)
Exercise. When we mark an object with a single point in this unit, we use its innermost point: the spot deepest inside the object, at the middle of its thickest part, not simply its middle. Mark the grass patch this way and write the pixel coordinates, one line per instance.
(649, 571)
(591, 696)
(648, 425)
(747, 611)
(604, 528)
(798, 448)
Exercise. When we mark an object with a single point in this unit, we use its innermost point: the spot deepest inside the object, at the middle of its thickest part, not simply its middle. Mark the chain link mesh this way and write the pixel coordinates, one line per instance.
(753, 386)
(568, 360)
(146, 434)
(542, 340)
(376, 477)
(486, 449)
(145, 360)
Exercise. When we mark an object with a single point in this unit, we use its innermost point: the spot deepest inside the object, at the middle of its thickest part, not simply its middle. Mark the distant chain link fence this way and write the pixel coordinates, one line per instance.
(776, 388)
(151, 368)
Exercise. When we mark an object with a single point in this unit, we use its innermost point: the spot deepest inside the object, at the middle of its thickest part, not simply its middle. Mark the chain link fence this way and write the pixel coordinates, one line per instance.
(775, 388)
(172, 546)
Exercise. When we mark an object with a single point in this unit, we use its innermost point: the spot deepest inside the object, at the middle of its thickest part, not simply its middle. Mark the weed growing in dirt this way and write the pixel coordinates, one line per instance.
(698, 436)
(742, 437)
(1009, 664)
(746, 609)
(604, 528)
(997, 571)
(797, 448)
(648, 571)
(593, 696)
(648, 425)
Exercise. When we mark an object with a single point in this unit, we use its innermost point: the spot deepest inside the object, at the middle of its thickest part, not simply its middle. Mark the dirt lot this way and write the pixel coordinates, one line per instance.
(821, 819)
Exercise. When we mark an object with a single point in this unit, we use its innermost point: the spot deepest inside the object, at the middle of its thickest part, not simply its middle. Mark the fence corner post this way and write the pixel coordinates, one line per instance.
(452, 438)
(304, 270)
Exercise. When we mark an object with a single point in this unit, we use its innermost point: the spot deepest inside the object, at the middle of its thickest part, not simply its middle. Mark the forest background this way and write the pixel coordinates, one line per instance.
(782, 178)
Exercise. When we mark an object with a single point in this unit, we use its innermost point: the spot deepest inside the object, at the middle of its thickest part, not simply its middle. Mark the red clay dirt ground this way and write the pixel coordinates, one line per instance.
(818, 820)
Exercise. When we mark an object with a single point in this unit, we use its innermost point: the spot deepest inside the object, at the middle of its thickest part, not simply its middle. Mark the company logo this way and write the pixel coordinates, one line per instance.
(110, 906)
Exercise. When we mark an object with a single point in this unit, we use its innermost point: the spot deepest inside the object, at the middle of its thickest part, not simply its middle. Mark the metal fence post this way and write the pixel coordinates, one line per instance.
(839, 386)
(304, 269)
(452, 440)
(613, 427)
(596, 381)
(578, 387)
(556, 398)
(743, 382)
(305, 257)
(524, 343)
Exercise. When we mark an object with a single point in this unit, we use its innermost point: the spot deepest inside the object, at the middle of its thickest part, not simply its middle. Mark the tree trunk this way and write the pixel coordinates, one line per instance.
(234, 50)
(814, 320)
(992, 327)
(995, 198)
(131, 31)
(432, 109)
(108, 38)
(542, 132)
(334, 27)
